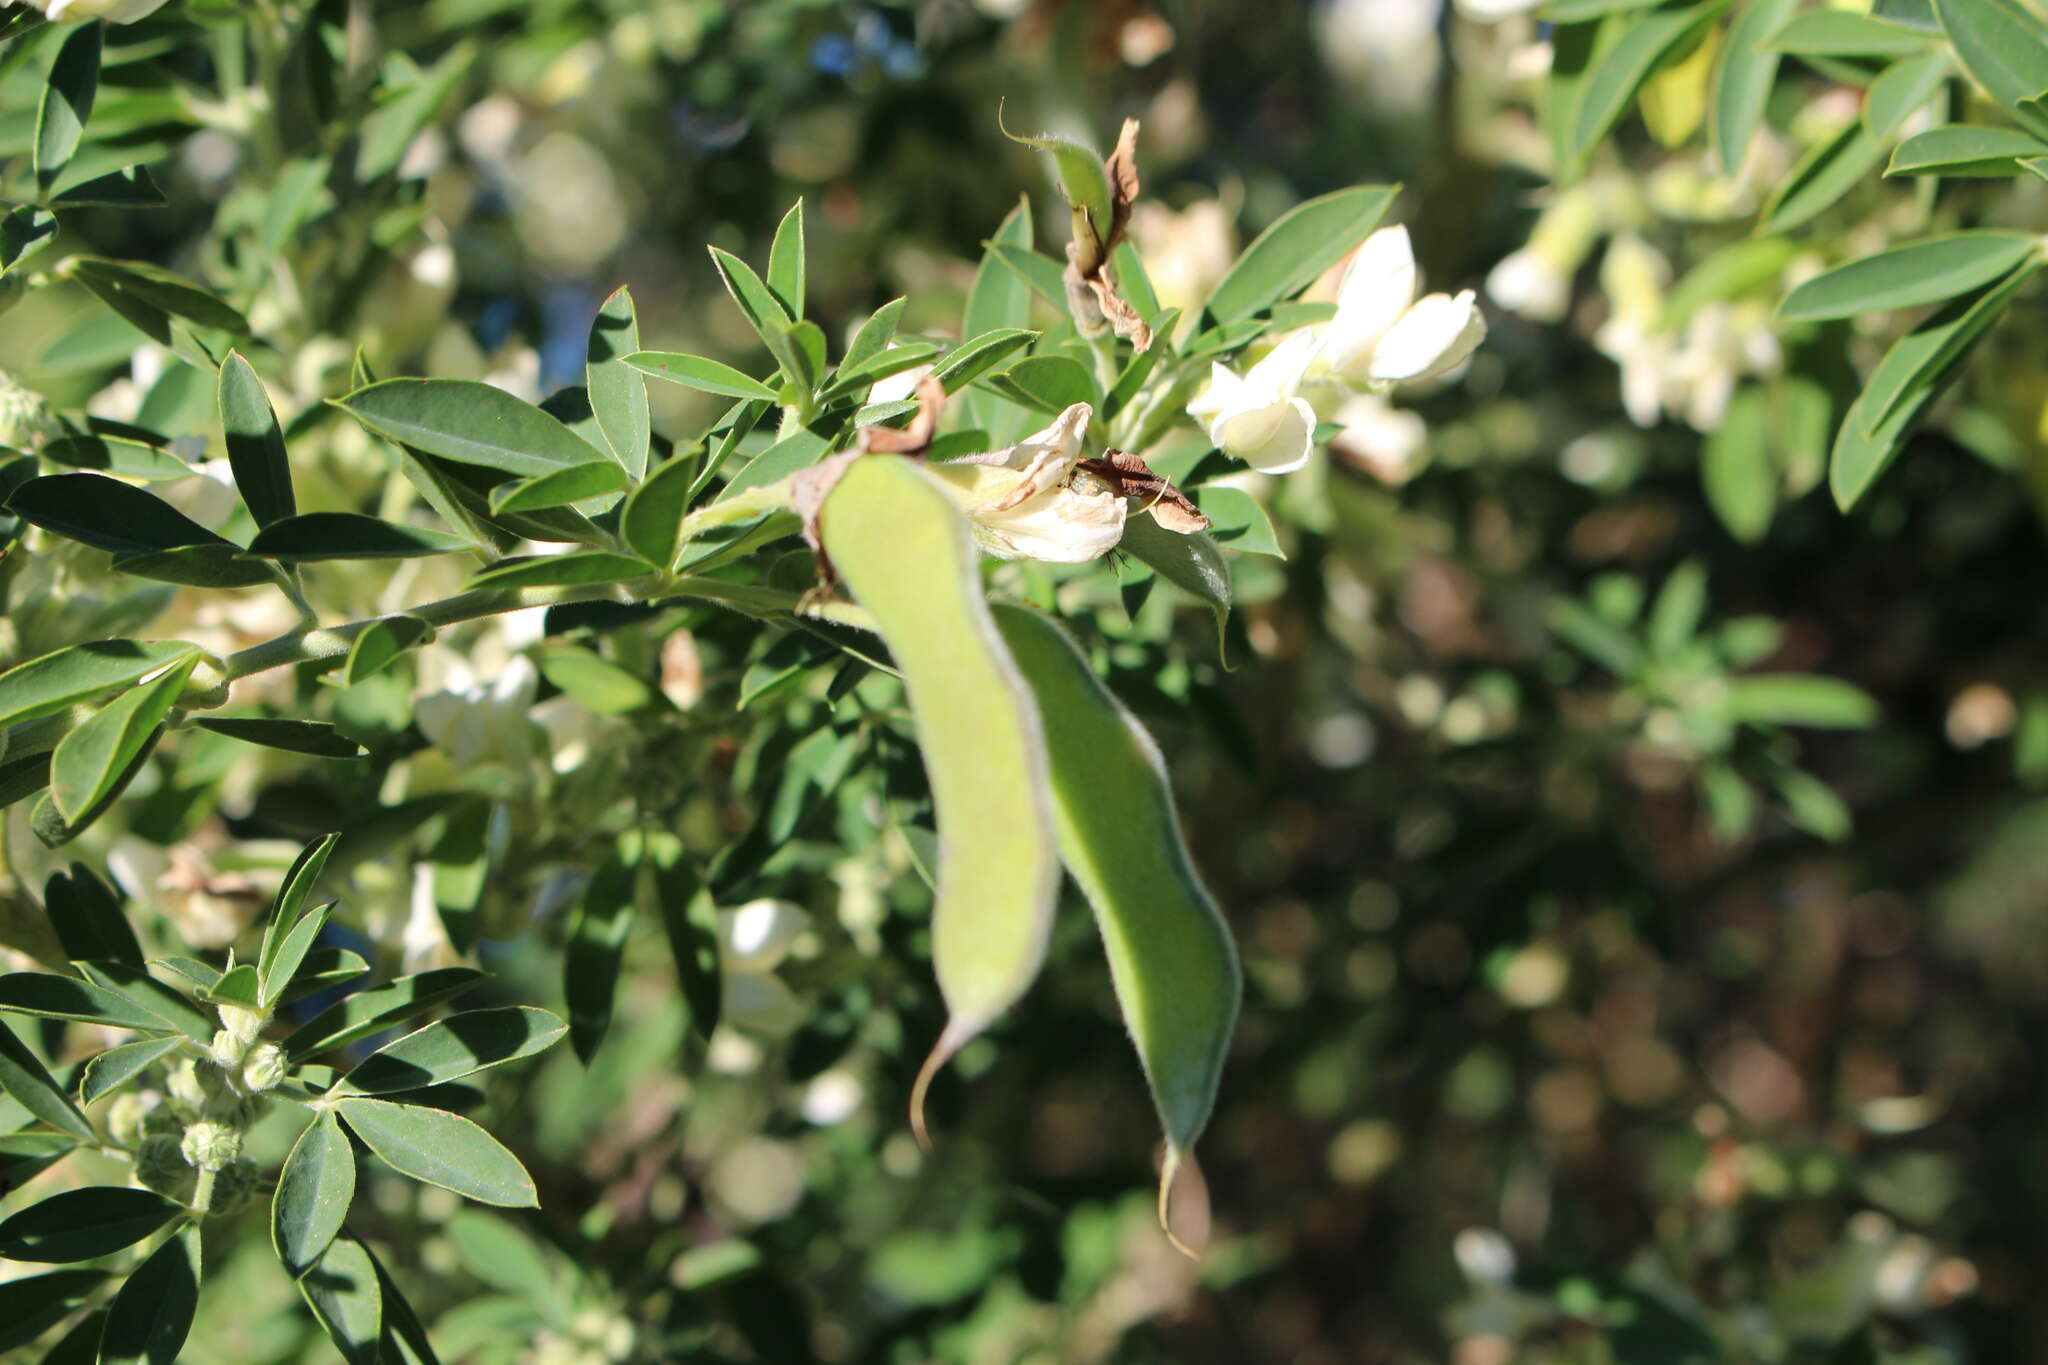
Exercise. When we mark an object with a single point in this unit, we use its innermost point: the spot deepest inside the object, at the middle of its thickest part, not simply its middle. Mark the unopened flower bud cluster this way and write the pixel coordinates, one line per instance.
(196, 1124)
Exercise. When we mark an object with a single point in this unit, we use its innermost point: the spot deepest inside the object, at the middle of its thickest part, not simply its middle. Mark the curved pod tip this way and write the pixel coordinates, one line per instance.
(1184, 1214)
(950, 1042)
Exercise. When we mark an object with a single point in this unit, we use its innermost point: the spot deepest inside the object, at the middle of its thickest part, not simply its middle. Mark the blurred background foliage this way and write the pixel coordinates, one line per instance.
(1592, 1013)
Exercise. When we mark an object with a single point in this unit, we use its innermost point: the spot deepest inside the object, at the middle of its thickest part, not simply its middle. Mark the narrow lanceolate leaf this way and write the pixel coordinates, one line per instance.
(405, 1336)
(767, 316)
(1300, 245)
(904, 550)
(117, 1066)
(147, 294)
(87, 918)
(152, 1314)
(696, 372)
(24, 232)
(1742, 82)
(106, 514)
(1170, 953)
(314, 1190)
(67, 102)
(786, 261)
(458, 1046)
(1965, 149)
(60, 997)
(84, 1224)
(1826, 173)
(28, 1081)
(999, 299)
(345, 1294)
(442, 1149)
(171, 1008)
(1839, 33)
(263, 473)
(33, 1304)
(689, 915)
(242, 986)
(374, 1010)
(294, 947)
(93, 757)
(1191, 563)
(1908, 276)
(311, 737)
(379, 644)
(292, 895)
(652, 520)
(45, 686)
(2004, 47)
(1736, 471)
(618, 394)
(1800, 699)
(577, 568)
(470, 423)
(1906, 86)
(597, 941)
(977, 355)
(560, 488)
(1612, 83)
(319, 536)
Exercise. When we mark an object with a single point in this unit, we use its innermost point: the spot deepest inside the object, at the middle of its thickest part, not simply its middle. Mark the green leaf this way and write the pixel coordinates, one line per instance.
(873, 338)
(378, 645)
(286, 910)
(79, 673)
(316, 738)
(1812, 806)
(23, 778)
(458, 1046)
(786, 261)
(117, 1066)
(146, 294)
(346, 1295)
(263, 473)
(24, 1078)
(1727, 273)
(67, 101)
(1965, 149)
(84, 1224)
(695, 372)
(1907, 276)
(470, 423)
(24, 232)
(652, 520)
(559, 488)
(1170, 952)
(977, 355)
(168, 1006)
(106, 514)
(323, 967)
(153, 1313)
(376, 1009)
(61, 997)
(769, 319)
(618, 393)
(1047, 383)
(393, 125)
(1802, 699)
(1299, 246)
(579, 567)
(1905, 87)
(1838, 33)
(87, 918)
(1576, 50)
(131, 187)
(201, 566)
(1927, 354)
(594, 682)
(1613, 81)
(316, 536)
(1000, 301)
(1240, 523)
(689, 916)
(1826, 173)
(1191, 563)
(111, 455)
(442, 1149)
(240, 986)
(597, 942)
(1735, 468)
(904, 550)
(2004, 47)
(1040, 273)
(314, 1190)
(90, 759)
(33, 1304)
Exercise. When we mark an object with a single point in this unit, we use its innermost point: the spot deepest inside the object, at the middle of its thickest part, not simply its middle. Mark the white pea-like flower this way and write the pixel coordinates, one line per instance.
(477, 722)
(1032, 502)
(1260, 417)
(115, 11)
(1382, 333)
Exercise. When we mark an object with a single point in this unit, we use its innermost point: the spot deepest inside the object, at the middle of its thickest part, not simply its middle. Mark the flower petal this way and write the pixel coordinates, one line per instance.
(1377, 288)
(1431, 338)
(1286, 432)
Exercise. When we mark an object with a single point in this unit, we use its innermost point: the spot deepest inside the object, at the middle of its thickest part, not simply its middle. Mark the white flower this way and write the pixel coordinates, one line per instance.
(1536, 280)
(1259, 417)
(1689, 374)
(1382, 333)
(1031, 502)
(1493, 11)
(1385, 440)
(119, 11)
(481, 722)
(752, 942)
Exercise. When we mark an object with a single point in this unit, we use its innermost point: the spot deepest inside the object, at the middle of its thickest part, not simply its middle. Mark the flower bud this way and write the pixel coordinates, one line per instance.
(264, 1069)
(160, 1166)
(210, 1146)
(244, 1024)
(233, 1186)
(25, 417)
(228, 1050)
